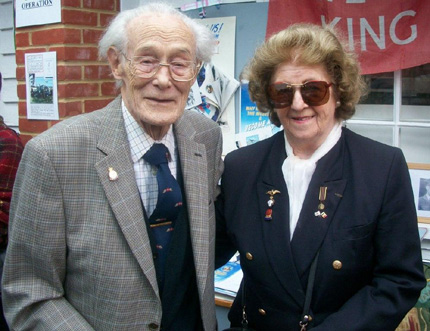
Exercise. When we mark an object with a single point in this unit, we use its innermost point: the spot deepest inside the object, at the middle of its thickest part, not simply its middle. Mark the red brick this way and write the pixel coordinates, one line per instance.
(22, 108)
(20, 57)
(20, 73)
(106, 18)
(97, 72)
(67, 109)
(100, 4)
(91, 105)
(79, 17)
(78, 90)
(69, 73)
(76, 53)
(109, 89)
(22, 39)
(21, 91)
(71, 3)
(56, 36)
(25, 138)
(91, 36)
(32, 126)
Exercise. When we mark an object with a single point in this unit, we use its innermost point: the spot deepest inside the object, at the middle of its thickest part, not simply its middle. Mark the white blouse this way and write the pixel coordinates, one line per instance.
(298, 173)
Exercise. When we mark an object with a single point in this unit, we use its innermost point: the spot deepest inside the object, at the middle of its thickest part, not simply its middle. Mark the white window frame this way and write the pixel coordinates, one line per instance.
(396, 123)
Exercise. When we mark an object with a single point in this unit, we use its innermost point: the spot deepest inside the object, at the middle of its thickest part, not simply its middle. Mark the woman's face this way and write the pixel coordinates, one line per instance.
(306, 127)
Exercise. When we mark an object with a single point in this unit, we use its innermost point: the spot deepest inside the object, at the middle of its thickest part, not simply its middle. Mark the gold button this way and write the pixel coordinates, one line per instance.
(337, 264)
(249, 256)
(153, 326)
(262, 311)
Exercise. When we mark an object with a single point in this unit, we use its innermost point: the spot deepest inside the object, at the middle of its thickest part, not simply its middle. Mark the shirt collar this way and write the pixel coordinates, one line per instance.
(140, 141)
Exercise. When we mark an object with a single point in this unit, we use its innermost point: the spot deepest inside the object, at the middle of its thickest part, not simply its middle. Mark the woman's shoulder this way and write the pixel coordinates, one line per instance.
(258, 150)
(362, 144)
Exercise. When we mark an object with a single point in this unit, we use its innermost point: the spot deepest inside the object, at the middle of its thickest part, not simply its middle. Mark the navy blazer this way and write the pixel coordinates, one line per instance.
(369, 272)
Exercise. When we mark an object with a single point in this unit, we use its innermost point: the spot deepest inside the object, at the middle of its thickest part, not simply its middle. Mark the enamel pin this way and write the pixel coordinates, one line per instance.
(113, 175)
(270, 203)
(322, 197)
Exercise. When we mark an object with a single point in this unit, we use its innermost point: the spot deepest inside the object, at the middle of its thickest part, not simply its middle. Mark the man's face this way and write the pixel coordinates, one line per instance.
(156, 102)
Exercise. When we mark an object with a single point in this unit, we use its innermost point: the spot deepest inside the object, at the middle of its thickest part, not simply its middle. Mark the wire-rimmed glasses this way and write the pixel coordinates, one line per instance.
(147, 67)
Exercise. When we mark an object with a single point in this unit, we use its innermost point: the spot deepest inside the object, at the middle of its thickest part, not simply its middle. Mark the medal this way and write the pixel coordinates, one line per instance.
(321, 197)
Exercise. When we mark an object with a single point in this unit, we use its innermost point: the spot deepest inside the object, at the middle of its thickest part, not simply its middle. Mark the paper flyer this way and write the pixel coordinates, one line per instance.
(41, 86)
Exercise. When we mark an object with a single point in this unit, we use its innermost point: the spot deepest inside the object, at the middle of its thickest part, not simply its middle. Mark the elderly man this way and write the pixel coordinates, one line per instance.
(112, 218)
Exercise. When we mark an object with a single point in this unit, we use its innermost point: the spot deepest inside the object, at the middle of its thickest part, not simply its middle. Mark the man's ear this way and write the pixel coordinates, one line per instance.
(115, 63)
(199, 67)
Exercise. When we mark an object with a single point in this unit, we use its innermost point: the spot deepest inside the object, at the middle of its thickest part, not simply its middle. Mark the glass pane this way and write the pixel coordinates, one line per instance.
(416, 86)
(380, 89)
(416, 94)
(415, 113)
(383, 134)
(374, 112)
(415, 144)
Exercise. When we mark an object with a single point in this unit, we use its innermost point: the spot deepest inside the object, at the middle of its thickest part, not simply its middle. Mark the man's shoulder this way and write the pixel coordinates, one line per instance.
(198, 120)
(198, 127)
(82, 124)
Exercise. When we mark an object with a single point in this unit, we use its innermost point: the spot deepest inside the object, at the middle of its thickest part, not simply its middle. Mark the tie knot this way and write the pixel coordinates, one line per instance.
(157, 154)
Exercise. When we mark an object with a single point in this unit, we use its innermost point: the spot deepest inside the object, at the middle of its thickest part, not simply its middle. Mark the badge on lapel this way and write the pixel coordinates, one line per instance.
(322, 197)
(270, 204)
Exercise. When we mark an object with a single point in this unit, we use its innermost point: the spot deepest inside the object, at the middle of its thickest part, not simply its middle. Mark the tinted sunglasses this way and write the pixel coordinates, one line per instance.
(314, 93)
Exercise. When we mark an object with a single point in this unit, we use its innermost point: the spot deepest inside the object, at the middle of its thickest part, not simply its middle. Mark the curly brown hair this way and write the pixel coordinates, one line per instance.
(306, 44)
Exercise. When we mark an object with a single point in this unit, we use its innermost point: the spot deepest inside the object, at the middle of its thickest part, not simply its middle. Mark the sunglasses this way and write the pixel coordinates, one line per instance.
(314, 93)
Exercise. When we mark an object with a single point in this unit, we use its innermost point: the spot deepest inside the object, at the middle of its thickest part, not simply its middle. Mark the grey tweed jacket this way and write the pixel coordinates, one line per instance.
(79, 256)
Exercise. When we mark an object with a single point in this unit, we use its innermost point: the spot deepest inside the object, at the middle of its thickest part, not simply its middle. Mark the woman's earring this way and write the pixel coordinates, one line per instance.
(337, 104)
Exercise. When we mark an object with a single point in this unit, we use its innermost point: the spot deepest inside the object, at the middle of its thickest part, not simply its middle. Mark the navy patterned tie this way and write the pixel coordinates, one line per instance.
(169, 201)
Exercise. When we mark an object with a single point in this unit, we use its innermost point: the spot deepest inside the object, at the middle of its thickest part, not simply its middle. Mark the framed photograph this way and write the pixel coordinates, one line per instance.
(420, 179)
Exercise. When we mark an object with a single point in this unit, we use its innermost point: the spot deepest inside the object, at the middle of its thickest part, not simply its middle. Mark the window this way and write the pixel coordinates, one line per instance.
(397, 111)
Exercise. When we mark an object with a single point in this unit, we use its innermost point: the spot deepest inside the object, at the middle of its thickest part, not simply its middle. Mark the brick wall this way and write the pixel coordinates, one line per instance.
(84, 83)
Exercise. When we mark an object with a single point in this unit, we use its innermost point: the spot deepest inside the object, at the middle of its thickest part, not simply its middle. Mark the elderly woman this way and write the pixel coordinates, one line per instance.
(324, 219)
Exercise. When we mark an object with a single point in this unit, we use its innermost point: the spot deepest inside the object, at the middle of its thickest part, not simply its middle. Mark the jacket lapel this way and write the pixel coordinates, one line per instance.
(311, 229)
(193, 161)
(276, 231)
(122, 192)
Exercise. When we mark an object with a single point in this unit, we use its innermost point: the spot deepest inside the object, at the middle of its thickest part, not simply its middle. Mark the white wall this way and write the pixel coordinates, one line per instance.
(8, 94)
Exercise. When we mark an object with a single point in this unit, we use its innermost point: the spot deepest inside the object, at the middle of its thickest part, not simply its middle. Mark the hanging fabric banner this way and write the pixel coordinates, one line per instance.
(387, 35)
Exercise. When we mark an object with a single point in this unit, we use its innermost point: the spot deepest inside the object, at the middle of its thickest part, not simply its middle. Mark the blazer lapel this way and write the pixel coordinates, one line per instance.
(193, 161)
(311, 229)
(276, 233)
(122, 192)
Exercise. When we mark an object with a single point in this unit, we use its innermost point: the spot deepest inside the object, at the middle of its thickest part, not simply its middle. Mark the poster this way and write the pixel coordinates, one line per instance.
(41, 86)
(254, 125)
(387, 35)
(37, 12)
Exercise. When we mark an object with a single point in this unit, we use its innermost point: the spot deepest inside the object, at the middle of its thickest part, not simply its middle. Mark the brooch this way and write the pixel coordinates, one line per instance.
(270, 203)
(322, 196)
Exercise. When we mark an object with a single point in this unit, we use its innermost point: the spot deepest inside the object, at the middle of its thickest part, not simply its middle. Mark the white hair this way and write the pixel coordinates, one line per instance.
(116, 33)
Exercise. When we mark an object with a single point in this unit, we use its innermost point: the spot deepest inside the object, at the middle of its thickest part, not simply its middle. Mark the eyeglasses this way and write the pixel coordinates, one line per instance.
(147, 67)
(314, 93)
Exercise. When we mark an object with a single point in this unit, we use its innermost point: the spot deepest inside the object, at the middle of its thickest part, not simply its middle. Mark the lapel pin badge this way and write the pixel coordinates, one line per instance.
(270, 203)
(113, 175)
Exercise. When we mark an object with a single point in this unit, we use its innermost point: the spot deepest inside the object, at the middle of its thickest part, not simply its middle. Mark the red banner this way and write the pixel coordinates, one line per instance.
(387, 35)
